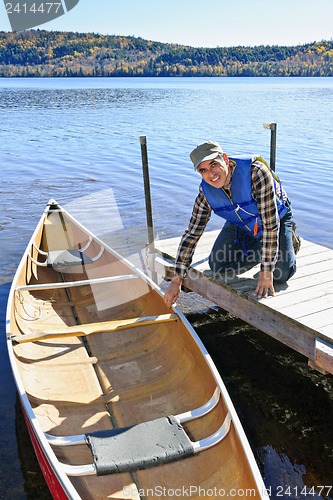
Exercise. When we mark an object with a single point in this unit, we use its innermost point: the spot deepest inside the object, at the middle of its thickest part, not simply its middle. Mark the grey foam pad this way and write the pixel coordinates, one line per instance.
(62, 259)
(138, 447)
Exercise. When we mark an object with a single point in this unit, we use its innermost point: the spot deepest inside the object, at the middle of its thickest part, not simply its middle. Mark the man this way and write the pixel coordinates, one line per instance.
(259, 223)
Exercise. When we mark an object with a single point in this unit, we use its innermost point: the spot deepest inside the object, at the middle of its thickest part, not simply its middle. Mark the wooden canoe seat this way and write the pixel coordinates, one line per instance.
(144, 445)
(56, 331)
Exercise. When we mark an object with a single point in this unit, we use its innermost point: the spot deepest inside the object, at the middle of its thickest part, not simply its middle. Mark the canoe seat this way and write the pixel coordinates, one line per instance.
(143, 445)
(60, 260)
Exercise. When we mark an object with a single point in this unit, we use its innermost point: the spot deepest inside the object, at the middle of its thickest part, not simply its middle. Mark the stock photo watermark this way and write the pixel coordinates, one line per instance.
(26, 14)
(215, 492)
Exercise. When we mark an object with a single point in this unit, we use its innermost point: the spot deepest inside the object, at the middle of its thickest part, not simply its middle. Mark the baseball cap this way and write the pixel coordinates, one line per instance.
(205, 151)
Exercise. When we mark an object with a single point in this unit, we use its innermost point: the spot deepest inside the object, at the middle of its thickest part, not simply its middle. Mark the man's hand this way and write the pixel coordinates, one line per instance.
(173, 291)
(264, 285)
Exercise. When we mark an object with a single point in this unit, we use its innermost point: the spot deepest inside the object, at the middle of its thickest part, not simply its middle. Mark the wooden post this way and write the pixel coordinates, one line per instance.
(149, 212)
(273, 128)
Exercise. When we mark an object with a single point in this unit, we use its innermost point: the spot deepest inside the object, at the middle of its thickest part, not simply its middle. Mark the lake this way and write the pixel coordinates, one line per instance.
(76, 140)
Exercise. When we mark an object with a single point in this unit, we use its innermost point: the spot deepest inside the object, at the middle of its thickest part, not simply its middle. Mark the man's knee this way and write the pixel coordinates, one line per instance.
(221, 259)
(283, 274)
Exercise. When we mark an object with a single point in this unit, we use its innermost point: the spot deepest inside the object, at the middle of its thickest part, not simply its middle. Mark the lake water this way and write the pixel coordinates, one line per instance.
(76, 140)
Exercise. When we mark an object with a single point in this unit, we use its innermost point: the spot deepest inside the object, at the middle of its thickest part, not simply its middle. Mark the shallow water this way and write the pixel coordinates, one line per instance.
(76, 140)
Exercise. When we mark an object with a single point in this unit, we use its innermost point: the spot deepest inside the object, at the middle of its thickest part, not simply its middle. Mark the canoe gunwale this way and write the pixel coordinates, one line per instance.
(38, 439)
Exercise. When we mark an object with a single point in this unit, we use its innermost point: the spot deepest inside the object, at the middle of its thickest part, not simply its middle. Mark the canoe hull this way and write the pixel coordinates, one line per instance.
(50, 477)
(93, 347)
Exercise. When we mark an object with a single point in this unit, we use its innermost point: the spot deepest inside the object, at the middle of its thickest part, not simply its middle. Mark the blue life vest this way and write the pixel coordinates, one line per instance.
(241, 209)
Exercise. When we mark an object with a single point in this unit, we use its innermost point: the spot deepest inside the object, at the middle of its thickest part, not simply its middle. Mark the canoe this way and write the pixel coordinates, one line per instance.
(120, 397)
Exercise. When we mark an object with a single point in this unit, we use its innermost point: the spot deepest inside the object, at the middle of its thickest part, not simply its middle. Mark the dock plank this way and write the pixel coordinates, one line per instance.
(308, 288)
(327, 331)
(300, 313)
(319, 319)
(308, 307)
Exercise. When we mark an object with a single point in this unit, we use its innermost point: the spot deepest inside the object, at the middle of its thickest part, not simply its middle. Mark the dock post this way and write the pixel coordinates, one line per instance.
(149, 213)
(272, 127)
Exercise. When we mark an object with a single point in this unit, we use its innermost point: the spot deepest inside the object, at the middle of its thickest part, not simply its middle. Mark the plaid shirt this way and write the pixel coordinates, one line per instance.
(263, 191)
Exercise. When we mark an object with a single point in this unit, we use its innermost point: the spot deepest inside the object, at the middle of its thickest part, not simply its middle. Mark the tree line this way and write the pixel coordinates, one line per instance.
(41, 53)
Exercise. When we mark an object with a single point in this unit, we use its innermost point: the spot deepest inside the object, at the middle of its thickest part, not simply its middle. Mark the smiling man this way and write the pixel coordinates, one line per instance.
(259, 224)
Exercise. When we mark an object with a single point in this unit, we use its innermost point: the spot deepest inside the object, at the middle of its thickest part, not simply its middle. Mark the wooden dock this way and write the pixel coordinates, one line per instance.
(300, 314)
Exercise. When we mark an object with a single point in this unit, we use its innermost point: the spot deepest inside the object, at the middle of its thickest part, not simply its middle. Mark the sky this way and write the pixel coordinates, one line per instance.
(203, 23)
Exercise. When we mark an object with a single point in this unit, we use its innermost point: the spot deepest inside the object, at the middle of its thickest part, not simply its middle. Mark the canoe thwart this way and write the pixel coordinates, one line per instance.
(73, 284)
(55, 331)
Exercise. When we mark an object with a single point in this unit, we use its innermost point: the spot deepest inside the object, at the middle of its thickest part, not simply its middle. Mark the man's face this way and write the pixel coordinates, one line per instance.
(215, 172)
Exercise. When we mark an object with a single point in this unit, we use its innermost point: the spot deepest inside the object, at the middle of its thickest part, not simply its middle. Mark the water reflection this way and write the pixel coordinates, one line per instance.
(284, 405)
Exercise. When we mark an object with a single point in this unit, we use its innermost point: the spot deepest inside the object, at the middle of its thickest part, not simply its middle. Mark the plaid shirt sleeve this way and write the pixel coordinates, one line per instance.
(264, 194)
(199, 219)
